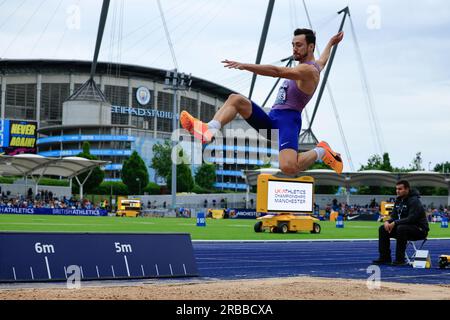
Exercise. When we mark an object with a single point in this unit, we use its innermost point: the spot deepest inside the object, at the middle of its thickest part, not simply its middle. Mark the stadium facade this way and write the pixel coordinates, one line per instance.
(135, 113)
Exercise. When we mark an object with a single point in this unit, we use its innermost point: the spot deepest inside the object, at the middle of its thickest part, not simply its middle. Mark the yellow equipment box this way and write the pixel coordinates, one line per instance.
(215, 213)
(128, 207)
(288, 202)
(444, 261)
(386, 210)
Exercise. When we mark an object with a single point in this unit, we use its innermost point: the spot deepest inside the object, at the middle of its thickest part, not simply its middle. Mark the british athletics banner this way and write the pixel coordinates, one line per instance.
(50, 211)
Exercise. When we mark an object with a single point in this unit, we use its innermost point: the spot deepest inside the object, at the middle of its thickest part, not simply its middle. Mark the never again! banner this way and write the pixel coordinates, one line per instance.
(18, 136)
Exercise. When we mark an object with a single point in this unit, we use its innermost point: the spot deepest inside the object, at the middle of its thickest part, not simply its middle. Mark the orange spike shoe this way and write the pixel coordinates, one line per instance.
(331, 158)
(196, 127)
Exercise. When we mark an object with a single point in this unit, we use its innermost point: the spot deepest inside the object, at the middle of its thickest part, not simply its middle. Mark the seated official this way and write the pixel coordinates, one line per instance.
(408, 222)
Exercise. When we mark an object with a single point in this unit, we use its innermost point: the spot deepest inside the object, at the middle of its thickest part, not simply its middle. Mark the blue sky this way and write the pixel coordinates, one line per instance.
(404, 46)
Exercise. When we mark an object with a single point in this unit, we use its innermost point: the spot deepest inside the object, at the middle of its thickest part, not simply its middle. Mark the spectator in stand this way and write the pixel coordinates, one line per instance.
(335, 206)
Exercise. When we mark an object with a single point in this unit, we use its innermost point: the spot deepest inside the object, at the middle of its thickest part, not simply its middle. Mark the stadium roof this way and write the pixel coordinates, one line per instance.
(363, 178)
(36, 165)
(20, 66)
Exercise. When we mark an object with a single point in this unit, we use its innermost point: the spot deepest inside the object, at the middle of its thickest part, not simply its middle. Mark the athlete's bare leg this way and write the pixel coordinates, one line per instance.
(235, 104)
(291, 162)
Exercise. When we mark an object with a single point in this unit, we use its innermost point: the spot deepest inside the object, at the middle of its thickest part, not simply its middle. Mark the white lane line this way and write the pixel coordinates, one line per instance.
(126, 264)
(48, 268)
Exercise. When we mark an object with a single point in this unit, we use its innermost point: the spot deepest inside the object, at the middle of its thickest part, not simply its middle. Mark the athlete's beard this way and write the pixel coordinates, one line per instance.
(302, 57)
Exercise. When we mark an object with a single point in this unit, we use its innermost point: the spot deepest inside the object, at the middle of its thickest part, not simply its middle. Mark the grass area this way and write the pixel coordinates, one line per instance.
(228, 229)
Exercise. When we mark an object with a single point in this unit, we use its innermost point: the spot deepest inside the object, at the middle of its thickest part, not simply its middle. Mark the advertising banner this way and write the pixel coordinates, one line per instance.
(290, 196)
(18, 137)
(50, 211)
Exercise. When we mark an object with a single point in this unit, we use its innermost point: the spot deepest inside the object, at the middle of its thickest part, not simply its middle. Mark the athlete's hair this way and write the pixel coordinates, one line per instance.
(404, 183)
(309, 35)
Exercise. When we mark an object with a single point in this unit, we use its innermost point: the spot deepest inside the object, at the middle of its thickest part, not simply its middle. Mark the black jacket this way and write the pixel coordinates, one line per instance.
(410, 211)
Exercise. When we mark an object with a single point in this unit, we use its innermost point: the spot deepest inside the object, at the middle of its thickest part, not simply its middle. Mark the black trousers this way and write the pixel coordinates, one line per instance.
(403, 233)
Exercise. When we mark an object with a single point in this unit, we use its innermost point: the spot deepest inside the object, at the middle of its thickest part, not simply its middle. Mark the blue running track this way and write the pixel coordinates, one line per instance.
(333, 259)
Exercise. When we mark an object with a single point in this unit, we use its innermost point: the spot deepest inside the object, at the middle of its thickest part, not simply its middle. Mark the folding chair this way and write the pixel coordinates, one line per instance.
(410, 260)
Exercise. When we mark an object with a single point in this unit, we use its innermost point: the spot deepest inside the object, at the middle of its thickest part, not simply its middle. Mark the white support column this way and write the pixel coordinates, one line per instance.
(178, 107)
(130, 99)
(38, 98)
(198, 105)
(71, 84)
(155, 106)
(347, 187)
(81, 184)
(102, 83)
(448, 188)
(247, 194)
(3, 101)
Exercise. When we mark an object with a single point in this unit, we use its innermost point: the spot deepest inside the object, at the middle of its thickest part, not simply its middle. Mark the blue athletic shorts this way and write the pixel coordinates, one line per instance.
(288, 122)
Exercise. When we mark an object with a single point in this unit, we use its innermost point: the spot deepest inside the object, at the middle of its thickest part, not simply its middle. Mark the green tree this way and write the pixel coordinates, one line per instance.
(152, 188)
(376, 162)
(185, 182)
(135, 174)
(443, 167)
(162, 161)
(325, 189)
(206, 176)
(94, 179)
(112, 187)
(386, 164)
(416, 164)
(373, 163)
(319, 165)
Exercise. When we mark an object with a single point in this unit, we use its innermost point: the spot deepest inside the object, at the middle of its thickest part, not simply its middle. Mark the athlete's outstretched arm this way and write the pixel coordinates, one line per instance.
(323, 59)
(300, 72)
